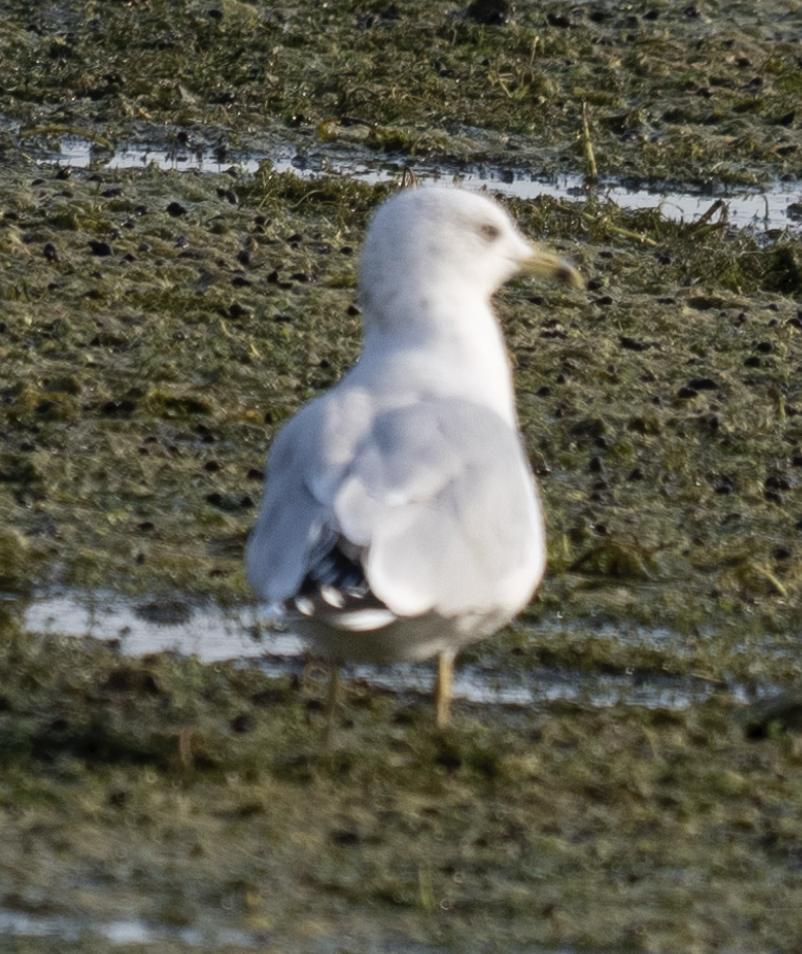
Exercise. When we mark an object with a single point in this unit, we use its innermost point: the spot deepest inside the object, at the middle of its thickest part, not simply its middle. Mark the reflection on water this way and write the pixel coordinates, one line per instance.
(23, 924)
(213, 633)
(765, 208)
(246, 635)
(133, 932)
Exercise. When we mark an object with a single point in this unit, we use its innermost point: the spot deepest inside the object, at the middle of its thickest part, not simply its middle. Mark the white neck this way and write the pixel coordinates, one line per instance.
(435, 355)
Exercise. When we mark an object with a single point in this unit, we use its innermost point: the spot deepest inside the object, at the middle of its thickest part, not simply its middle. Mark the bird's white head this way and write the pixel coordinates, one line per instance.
(438, 246)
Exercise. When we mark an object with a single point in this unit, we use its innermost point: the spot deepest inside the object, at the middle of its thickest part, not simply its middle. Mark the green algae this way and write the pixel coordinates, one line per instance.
(703, 92)
(205, 795)
(150, 362)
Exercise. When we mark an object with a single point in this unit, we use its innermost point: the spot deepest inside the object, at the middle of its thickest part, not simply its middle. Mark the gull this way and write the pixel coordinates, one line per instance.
(400, 518)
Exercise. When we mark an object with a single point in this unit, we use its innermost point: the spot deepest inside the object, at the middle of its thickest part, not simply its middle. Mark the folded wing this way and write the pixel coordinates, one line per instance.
(427, 507)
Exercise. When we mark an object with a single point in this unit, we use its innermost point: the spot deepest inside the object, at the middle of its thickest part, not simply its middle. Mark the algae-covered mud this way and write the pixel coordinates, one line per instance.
(670, 89)
(156, 328)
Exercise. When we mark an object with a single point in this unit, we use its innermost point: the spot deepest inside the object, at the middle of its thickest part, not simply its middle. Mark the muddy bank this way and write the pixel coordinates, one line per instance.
(158, 327)
(202, 797)
(675, 90)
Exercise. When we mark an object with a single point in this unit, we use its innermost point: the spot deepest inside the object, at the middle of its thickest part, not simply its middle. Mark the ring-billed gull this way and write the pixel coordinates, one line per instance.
(400, 518)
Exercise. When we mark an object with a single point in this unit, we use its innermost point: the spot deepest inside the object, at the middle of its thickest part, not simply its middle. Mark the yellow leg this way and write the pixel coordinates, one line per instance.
(444, 689)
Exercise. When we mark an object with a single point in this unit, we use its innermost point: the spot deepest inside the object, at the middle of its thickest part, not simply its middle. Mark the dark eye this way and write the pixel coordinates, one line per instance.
(489, 232)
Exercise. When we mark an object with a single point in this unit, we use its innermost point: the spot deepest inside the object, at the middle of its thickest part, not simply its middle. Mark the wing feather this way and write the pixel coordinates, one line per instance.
(434, 499)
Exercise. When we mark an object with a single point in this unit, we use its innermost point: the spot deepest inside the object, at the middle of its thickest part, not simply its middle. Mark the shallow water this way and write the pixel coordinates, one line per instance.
(763, 209)
(128, 932)
(135, 932)
(243, 634)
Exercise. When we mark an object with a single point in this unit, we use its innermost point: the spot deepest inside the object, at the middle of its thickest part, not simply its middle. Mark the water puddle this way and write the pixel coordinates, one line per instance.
(243, 634)
(123, 932)
(776, 207)
(139, 627)
(135, 933)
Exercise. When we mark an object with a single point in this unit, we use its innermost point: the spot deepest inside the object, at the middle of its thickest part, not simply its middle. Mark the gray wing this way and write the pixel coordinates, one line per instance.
(433, 503)
(307, 462)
